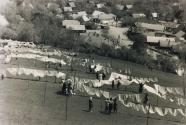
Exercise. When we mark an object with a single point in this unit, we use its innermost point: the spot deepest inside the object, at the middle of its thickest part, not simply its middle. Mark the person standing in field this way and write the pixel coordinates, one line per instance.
(110, 105)
(90, 104)
(115, 106)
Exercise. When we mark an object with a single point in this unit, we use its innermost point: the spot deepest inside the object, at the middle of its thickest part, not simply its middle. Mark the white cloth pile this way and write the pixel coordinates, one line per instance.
(97, 83)
(168, 90)
(36, 51)
(34, 56)
(137, 98)
(125, 78)
(151, 90)
(153, 109)
(15, 44)
(98, 68)
(178, 101)
(35, 73)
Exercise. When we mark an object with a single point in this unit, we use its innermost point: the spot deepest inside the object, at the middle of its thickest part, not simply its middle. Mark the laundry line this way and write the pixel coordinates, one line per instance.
(35, 72)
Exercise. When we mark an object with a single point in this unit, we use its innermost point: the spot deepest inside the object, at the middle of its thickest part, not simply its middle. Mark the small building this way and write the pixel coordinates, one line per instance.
(129, 6)
(82, 13)
(170, 26)
(71, 0)
(149, 27)
(85, 18)
(155, 39)
(155, 15)
(77, 28)
(74, 16)
(67, 9)
(70, 22)
(72, 4)
(138, 15)
(107, 18)
(100, 5)
(96, 14)
(119, 7)
(161, 41)
(167, 44)
(180, 34)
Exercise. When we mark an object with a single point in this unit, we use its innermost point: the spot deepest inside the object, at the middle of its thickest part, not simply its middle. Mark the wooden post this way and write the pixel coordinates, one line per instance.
(184, 83)
(45, 92)
(148, 115)
(66, 110)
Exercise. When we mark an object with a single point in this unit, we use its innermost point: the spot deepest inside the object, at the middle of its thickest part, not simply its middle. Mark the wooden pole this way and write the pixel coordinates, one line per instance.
(148, 115)
(66, 113)
(184, 83)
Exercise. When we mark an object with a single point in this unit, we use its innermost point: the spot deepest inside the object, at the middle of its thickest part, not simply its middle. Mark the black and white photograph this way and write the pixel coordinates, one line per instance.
(92, 62)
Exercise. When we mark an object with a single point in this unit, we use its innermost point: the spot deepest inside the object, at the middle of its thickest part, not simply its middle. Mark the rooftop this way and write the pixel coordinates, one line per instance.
(76, 27)
(67, 9)
(156, 39)
(70, 22)
(149, 26)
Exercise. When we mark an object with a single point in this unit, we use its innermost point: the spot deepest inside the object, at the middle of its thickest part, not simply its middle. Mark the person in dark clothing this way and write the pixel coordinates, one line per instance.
(119, 84)
(97, 75)
(39, 78)
(115, 105)
(141, 87)
(110, 105)
(90, 104)
(2, 76)
(64, 88)
(104, 76)
(112, 84)
(146, 99)
(106, 105)
(69, 88)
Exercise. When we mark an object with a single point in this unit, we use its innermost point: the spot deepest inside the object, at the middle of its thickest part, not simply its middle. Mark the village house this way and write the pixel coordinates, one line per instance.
(167, 44)
(180, 35)
(85, 18)
(74, 25)
(100, 5)
(77, 28)
(138, 15)
(162, 42)
(156, 39)
(78, 14)
(147, 27)
(82, 13)
(155, 15)
(72, 4)
(129, 6)
(170, 26)
(95, 15)
(119, 7)
(67, 9)
(70, 22)
(107, 18)
(71, 0)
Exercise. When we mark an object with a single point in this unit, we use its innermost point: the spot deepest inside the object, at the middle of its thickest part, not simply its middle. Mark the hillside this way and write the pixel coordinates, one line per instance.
(32, 86)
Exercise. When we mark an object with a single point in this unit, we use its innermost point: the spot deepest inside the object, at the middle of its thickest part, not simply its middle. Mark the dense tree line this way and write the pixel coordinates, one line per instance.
(37, 21)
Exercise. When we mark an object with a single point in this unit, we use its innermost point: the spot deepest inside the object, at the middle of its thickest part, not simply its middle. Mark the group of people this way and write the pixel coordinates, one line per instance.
(110, 105)
(100, 76)
(146, 97)
(67, 87)
(117, 82)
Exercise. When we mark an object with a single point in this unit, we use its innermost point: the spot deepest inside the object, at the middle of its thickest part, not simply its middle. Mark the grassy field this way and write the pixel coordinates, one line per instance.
(26, 101)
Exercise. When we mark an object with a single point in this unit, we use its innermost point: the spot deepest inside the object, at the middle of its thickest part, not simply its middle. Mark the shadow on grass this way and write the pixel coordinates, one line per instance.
(61, 93)
(104, 113)
(85, 110)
